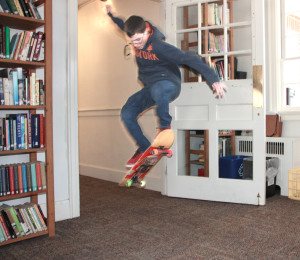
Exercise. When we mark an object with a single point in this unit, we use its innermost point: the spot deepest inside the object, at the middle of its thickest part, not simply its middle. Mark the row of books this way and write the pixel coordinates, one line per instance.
(216, 43)
(20, 87)
(21, 220)
(22, 131)
(22, 178)
(216, 14)
(224, 147)
(25, 8)
(24, 46)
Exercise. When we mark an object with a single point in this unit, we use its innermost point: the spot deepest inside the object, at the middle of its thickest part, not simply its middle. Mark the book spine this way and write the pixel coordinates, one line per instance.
(11, 180)
(33, 177)
(20, 177)
(7, 39)
(24, 177)
(8, 224)
(16, 179)
(18, 224)
(5, 227)
(29, 182)
(43, 173)
(38, 46)
(12, 6)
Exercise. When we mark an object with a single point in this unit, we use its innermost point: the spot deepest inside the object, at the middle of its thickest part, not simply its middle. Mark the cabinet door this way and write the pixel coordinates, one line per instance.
(229, 35)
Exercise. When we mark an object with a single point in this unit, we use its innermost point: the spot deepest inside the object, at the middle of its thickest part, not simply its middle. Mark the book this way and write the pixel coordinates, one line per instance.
(11, 180)
(11, 220)
(17, 190)
(24, 8)
(36, 54)
(13, 44)
(38, 175)
(8, 225)
(1, 92)
(12, 6)
(7, 41)
(7, 233)
(20, 178)
(20, 85)
(35, 128)
(33, 177)
(4, 6)
(43, 174)
(24, 178)
(29, 182)
(19, 8)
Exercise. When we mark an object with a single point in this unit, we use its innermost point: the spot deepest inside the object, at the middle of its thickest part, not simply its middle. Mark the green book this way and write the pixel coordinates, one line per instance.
(33, 177)
(16, 219)
(7, 41)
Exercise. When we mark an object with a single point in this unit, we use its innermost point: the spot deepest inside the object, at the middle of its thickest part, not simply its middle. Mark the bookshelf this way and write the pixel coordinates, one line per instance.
(200, 151)
(214, 34)
(32, 24)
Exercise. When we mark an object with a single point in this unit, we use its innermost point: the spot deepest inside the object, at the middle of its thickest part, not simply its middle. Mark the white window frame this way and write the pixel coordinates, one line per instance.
(275, 45)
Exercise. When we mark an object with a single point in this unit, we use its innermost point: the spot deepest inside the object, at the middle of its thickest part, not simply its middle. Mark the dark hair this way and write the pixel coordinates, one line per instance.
(134, 24)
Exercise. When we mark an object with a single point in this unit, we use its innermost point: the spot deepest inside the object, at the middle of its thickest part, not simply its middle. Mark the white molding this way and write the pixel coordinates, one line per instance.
(62, 210)
(72, 108)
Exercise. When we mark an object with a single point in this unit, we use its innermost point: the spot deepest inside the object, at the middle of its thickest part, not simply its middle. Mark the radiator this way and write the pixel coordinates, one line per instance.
(286, 149)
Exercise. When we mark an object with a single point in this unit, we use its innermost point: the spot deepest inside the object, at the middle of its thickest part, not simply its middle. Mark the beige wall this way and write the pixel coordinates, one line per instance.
(105, 81)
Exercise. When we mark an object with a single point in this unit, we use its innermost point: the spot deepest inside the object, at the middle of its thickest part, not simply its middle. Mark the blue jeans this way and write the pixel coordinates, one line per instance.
(160, 94)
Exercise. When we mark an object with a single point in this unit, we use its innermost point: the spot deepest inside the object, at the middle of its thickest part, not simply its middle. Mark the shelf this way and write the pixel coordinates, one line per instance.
(197, 152)
(19, 22)
(22, 195)
(196, 162)
(21, 107)
(22, 151)
(41, 233)
(18, 63)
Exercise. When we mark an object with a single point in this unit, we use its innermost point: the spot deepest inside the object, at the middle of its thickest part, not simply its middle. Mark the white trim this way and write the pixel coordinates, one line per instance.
(72, 108)
(62, 210)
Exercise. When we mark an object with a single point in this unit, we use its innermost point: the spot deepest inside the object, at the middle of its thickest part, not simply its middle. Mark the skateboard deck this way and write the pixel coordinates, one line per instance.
(158, 149)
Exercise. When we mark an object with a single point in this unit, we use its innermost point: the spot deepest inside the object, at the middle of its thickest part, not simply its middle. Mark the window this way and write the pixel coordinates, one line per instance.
(290, 54)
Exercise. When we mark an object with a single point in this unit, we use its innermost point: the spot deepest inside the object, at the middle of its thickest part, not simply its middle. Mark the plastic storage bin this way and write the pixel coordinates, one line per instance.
(272, 166)
(231, 167)
(294, 184)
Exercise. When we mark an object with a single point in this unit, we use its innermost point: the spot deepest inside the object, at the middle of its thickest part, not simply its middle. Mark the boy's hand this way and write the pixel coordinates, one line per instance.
(108, 8)
(219, 88)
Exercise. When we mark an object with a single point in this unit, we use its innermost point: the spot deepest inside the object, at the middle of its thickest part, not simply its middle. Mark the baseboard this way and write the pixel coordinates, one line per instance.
(113, 175)
(63, 210)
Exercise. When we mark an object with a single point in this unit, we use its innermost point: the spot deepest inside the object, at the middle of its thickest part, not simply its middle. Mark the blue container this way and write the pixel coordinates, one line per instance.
(231, 167)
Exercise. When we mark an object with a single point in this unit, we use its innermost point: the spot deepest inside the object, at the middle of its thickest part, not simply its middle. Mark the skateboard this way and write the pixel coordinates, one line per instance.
(159, 148)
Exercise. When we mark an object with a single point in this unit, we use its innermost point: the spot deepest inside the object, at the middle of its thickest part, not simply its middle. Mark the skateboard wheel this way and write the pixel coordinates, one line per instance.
(129, 183)
(155, 152)
(143, 184)
(170, 153)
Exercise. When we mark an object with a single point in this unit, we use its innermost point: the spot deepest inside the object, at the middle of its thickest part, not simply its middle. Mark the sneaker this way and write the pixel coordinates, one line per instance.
(137, 155)
(162, 129)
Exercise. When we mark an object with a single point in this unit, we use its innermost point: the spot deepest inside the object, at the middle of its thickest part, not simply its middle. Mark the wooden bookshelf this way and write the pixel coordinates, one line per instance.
(32, 24)
(206, 29)
(205, 152)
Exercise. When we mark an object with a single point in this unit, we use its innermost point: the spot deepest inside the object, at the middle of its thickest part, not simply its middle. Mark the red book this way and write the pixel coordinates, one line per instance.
(11, 180)
(20, 176)
(38, 175)
(38, 47)
(4, 227)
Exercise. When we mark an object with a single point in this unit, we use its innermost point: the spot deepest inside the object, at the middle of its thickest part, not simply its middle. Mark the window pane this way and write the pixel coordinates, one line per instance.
(292, 35)
(292, 95)
(187, 17)
(291, 5)
(291, 71)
